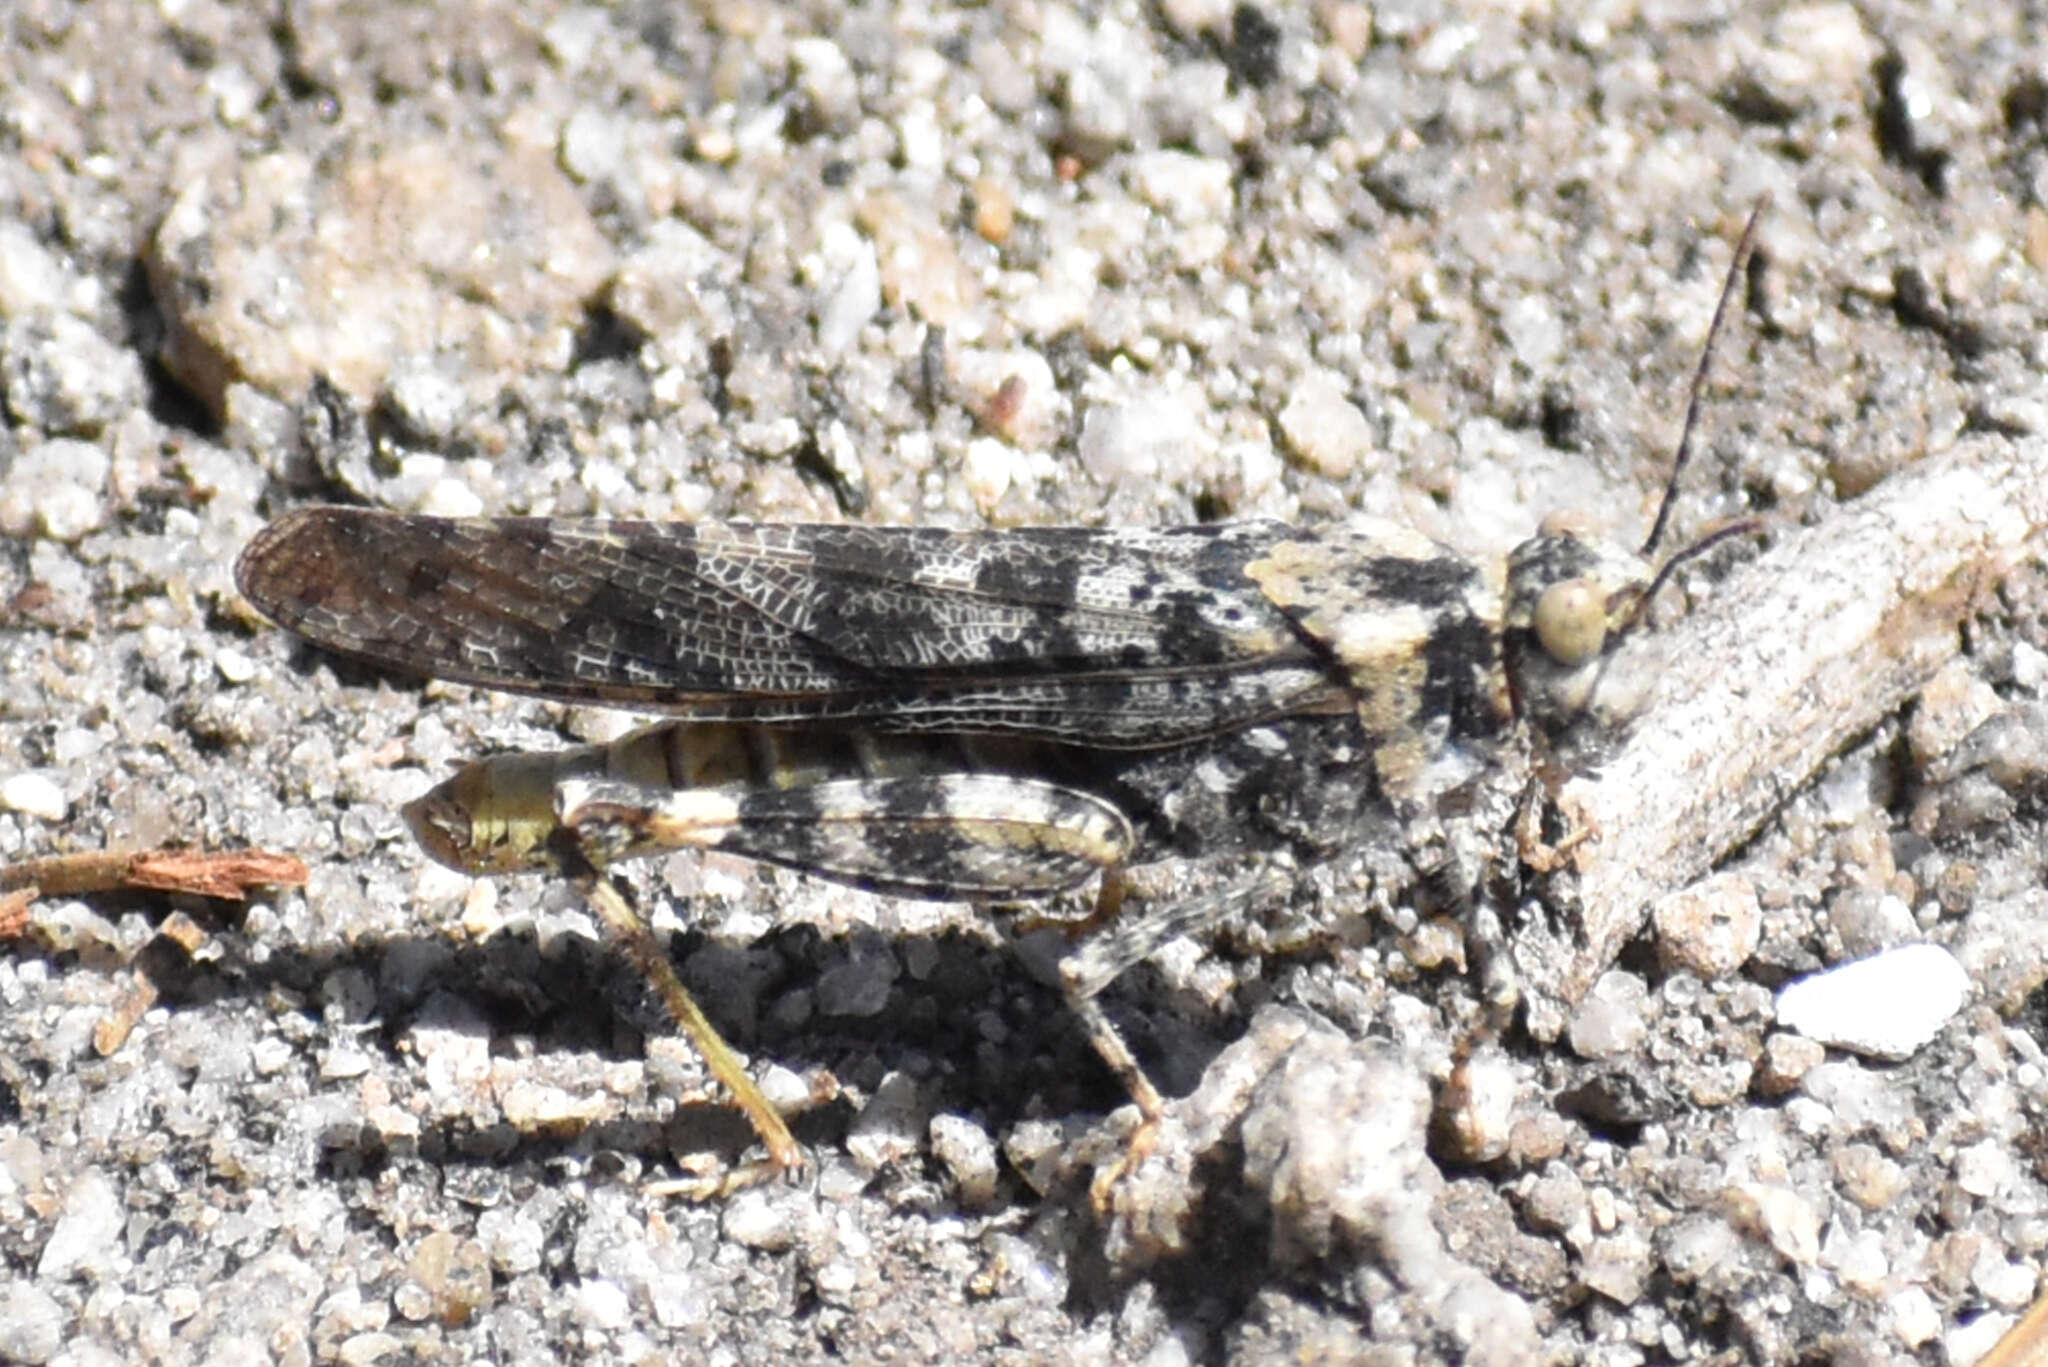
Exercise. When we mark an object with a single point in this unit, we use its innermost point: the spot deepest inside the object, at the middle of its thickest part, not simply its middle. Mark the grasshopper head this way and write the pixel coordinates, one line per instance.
(1571, 599)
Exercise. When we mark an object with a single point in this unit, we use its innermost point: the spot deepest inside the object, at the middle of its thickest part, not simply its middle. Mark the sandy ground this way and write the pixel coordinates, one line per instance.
(1018, 263)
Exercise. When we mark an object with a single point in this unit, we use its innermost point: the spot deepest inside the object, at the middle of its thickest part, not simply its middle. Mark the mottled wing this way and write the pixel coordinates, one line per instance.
(1111, 638)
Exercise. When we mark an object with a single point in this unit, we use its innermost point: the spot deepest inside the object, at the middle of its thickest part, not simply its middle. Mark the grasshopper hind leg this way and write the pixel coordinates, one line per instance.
(630, 931)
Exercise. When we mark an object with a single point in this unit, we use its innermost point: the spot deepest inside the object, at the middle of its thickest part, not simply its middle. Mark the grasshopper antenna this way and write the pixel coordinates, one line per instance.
(1745, 247)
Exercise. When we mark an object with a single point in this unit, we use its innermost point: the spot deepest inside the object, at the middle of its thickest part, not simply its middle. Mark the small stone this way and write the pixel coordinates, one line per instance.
(1476, 1109)
(1613, 1019)
(858, 985)
(1335, 1138)
(836, 1280)
(969, 1154)
(34, 794)
(991, 469)
(346, 264)
(1914, 1317)
(32, 277)
(1184, 187)
(1618, 1266)
(59, 375)
(603, 1304)
(31, 1324)
(1700, 1246)
(594, 147)
(1885, 1006)
(1192, 18)
(762, 1218)
(235, 666)
(1784, 1217)
(921, 270)
(1859, 1260)
(426, 402)
(511, 1239)
(1868, 1177)
(827, 79)
(368, 1350)
(1984, 1168)
(1538, 1138)
(1323, 428)
(1867, 921)
(1971, 1342)
(54, 491)
(454, 1273)
(395, 1125)
(995, 210)
(87, 1236)
(785, 1089)
(536, 1108)
(1127, 442)
(448, 497)
(1534, 331)
(1556, 1202)
(1710, 928)
(1954, 703)
(848, 281)
(2004, 1282)
(888, 1128)
(1787, 1058)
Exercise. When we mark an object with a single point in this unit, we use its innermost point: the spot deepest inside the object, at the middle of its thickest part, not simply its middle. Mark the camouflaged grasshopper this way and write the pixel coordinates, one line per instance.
(992, 716)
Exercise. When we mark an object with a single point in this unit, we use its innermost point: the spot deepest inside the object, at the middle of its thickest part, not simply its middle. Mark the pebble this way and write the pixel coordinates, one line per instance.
(1867, 1177)
(1867, 921)
(449, 497)
(603, 1304)
(64, 377)
(33, 794)
(1787, 1058)
(88, 1233)
(1710, 928)
(31, 1324)
(1784, 1217)
(1323, 428)
(1885, 1006)
(31, 276)
(969, 1154)
(1619, 1266)
(512, 1239)
(858, 986)
(1972, 1341)
(1476, 1110)
(235, 666)
(536, 1108)
(1914, 1316)
(367, 1350)
(888, 1128)
(54, 491)
(1613, 1019)
(763, 1219)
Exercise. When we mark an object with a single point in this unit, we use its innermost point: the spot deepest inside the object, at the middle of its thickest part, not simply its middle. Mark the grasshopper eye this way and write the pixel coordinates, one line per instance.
(1571, 621)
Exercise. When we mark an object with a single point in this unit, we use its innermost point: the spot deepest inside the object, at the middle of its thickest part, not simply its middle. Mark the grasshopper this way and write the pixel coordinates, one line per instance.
(990, 716)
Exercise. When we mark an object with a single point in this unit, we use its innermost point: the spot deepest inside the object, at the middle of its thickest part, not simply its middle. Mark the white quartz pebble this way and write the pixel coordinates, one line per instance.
(1885, 1006)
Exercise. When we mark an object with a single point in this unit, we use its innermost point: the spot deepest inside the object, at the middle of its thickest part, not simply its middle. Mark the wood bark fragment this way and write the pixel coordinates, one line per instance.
(1781, 668)
(227, 875)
